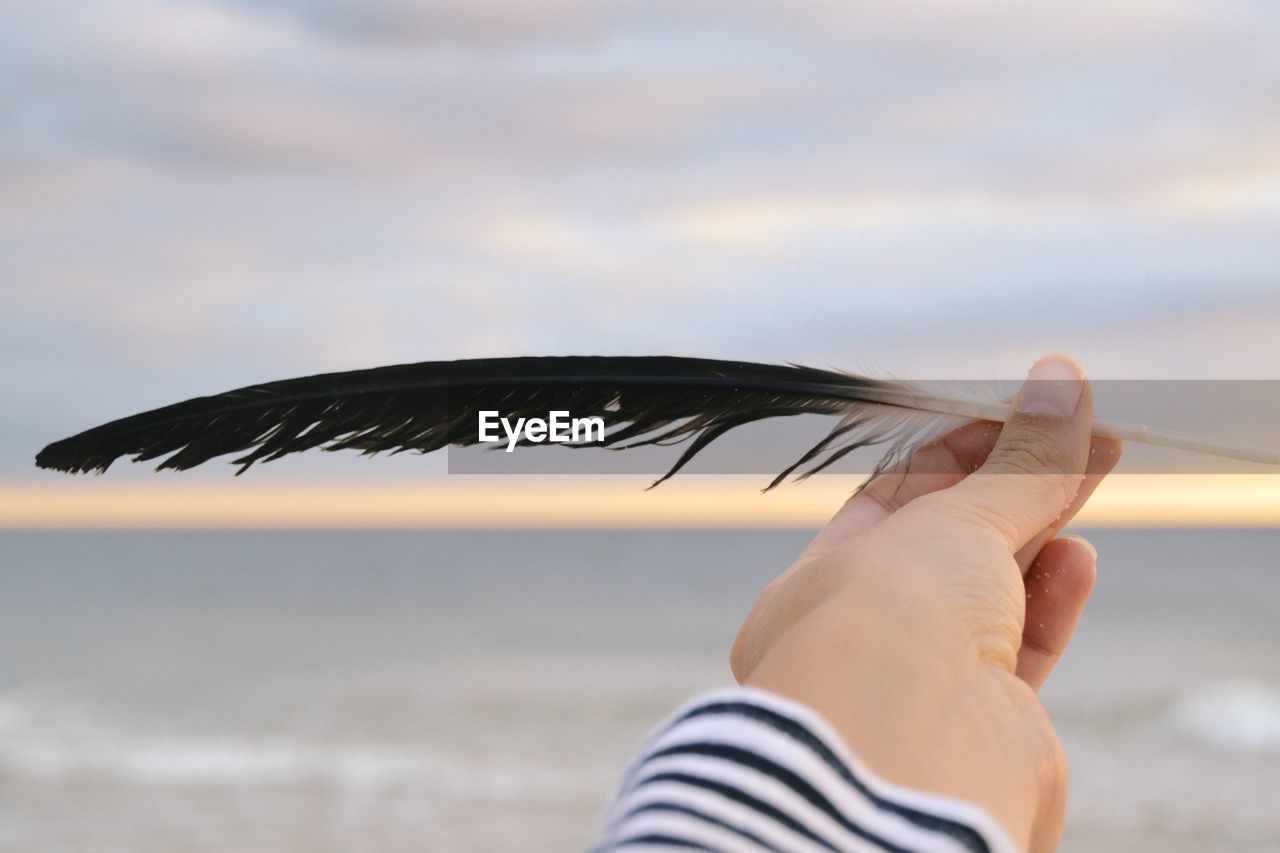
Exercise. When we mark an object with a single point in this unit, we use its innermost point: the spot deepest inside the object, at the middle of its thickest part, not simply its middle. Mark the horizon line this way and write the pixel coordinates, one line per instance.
(531, 502)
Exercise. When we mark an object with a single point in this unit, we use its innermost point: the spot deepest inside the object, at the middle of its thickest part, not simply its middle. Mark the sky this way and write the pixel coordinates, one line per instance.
(196, 196)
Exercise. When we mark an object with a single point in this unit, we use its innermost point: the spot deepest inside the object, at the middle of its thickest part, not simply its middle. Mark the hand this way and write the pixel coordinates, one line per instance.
(925, 616)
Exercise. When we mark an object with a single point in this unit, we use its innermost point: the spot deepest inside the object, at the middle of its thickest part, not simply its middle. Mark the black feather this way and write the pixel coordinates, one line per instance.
(431, 405)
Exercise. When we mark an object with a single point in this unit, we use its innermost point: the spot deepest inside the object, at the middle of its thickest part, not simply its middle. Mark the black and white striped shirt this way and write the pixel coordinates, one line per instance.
(748, 770)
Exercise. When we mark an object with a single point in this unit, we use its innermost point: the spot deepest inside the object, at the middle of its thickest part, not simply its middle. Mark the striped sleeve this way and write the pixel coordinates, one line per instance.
(747, 770)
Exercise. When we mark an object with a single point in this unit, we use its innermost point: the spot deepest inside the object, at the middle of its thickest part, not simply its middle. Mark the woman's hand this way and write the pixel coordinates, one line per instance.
(925, 616)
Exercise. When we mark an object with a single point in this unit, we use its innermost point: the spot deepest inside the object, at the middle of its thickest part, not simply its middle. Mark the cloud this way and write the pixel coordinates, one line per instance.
(200, 194)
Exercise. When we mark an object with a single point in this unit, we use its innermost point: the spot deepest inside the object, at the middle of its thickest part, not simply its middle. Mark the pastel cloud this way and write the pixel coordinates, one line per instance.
(201, 194)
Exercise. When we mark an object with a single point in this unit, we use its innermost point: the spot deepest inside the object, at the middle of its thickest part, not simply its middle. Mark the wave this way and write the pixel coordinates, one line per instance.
(69, 744)
(1243, 715)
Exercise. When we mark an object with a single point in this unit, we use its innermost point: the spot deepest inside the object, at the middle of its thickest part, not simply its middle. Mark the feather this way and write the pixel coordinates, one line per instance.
(428, 406)
(642, 400)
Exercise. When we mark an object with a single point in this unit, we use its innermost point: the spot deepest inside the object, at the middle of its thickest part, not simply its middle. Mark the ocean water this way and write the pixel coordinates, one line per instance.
(466, 691)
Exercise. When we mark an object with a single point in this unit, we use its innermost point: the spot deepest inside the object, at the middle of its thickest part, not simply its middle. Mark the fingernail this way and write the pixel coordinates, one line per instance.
(1052, 388)
(1085, 542)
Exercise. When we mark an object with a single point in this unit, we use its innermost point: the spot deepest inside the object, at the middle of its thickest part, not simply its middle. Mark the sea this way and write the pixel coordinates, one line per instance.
(273, 692)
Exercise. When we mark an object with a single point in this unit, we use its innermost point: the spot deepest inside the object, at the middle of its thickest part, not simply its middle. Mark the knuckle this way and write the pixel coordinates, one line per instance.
(974, 516)
(1043, 469)
(1030, 451)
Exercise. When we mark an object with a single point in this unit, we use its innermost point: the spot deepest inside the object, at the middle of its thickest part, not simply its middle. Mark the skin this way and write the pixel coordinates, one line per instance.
(924, 618)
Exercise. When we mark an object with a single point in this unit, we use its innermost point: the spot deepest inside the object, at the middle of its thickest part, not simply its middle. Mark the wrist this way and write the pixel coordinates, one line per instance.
(918, 703)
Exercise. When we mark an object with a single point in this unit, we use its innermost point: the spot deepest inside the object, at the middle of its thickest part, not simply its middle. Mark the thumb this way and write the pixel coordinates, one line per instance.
(1038, 462)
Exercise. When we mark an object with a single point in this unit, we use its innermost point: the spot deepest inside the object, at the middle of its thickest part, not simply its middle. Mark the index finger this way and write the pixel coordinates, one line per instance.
(932, 468)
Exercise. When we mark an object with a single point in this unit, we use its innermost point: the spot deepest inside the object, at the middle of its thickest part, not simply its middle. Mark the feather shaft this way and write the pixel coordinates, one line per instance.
(1102, 427)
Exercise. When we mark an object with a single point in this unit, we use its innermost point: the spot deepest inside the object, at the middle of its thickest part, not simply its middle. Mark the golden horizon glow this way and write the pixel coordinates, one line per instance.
(536, 502)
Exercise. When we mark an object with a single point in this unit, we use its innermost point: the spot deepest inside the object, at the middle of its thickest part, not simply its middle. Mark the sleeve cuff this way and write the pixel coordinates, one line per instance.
(746, 769)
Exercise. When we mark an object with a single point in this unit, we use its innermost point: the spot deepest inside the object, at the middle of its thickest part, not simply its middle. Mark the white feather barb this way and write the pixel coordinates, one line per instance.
(1102, 427)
